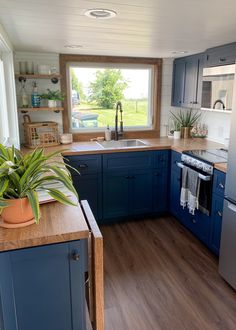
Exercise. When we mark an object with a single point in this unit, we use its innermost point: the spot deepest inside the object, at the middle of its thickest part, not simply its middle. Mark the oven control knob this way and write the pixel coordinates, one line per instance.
(200, 166)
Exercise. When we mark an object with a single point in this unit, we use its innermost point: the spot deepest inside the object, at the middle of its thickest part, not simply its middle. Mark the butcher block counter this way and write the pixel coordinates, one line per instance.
(59, 223)
(163, 143)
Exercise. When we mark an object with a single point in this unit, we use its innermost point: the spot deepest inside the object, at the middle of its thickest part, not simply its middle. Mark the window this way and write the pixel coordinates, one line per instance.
(9, 130)
(95, 90)
(94, 84)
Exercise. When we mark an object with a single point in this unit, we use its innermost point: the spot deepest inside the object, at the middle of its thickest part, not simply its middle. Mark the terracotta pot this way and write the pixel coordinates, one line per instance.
(18, 211)
(186, 132)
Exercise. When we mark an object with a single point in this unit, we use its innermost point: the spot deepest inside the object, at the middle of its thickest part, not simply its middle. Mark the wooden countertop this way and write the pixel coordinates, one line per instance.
(58, 223)
(85, 148)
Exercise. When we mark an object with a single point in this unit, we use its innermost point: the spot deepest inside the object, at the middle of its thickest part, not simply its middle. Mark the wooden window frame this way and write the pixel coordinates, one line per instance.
(156, 98)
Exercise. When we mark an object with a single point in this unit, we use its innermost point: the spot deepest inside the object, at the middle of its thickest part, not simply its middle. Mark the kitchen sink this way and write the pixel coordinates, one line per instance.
(121, 144)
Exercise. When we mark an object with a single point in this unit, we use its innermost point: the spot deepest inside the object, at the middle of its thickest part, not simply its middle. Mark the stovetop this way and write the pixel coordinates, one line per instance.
(211, 156)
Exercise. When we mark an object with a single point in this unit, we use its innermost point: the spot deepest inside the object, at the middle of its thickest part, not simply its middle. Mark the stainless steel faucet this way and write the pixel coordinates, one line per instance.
(219, 101)
(118, 133)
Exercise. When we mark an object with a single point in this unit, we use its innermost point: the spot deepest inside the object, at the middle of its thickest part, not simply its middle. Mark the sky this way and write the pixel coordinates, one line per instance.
(138, 80)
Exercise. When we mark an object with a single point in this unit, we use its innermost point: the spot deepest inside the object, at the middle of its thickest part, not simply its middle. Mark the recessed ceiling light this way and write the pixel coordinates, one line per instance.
(100, 13)
(179, 52)
(73, 46)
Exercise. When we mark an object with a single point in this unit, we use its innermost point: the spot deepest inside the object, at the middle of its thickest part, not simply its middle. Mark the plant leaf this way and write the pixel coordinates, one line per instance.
(60, 197)
(34, 202)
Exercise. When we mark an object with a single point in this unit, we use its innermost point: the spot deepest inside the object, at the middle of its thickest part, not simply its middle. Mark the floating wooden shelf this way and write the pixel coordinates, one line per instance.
(41, 109)
(38, 76)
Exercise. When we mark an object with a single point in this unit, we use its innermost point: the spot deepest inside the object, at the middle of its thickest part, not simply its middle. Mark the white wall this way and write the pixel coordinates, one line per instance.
(218, 123)
(38, 58)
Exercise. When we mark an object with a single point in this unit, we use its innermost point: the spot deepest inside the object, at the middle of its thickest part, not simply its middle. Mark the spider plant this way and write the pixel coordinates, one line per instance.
(22, 175)
(186, 118)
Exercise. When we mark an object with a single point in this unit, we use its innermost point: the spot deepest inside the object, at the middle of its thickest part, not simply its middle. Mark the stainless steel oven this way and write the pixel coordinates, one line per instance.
(205, 171)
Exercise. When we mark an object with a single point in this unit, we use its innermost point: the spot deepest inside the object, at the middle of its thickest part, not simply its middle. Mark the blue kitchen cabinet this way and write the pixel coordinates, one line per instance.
(217, 210)
(160, 190)
(89, 187)
(43, 288)
(221, 55)
(219, 183)
(216, 223)
(178, 82)
(187, 81)
(115, 194)
(140, 192)
(127, 193)
(161, 181)
(88, 183)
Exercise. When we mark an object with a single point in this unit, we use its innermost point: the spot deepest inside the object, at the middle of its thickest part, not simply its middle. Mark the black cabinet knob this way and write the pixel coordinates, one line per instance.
(75, 256)
(222, 59)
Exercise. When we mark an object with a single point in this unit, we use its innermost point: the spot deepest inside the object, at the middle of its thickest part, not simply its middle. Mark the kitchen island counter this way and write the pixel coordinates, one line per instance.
(59, 223)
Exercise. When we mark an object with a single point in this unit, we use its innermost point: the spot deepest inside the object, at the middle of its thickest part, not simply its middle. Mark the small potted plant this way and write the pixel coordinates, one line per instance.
(20, 178)
(177, 129)
(186, 119)
(52, 97)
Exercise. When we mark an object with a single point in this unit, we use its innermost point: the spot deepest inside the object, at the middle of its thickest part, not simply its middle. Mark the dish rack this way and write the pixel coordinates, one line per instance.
(40, 134)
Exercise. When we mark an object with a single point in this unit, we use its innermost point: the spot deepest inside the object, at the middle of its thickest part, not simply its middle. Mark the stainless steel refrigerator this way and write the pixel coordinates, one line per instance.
(227, 262)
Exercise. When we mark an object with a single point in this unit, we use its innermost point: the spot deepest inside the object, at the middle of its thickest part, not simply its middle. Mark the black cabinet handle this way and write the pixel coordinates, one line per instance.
(219, 213)
(75, 256)
(180, 102)
(82, 166)
(222, 59)
(194, 221)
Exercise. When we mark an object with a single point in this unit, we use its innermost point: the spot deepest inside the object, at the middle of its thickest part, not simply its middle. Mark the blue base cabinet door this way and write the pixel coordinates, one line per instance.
(216, 223)
(115, 194)
(47, 286)
(140, 192)
(160, 190)
(89, 187)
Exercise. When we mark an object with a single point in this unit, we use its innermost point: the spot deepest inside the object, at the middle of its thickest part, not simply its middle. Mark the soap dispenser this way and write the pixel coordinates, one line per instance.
(108, 134)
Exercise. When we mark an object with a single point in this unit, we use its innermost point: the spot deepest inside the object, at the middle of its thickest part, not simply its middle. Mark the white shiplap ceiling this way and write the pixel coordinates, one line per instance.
(150, 28)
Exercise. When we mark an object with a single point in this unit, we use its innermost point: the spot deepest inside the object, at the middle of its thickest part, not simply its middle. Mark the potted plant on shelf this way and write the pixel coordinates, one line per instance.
(20, 178)
(186, 119)
(52, 97)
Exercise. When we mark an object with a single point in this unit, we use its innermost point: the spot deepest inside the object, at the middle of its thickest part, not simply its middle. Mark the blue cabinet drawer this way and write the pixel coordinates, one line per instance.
(161, 158)
(129, 160)
(85, 164)
(219, 183)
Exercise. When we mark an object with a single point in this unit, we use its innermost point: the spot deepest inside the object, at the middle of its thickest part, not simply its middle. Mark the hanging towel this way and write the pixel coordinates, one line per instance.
(190, 189)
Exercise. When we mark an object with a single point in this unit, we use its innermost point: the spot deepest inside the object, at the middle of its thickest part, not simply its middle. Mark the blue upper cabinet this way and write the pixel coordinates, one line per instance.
(221, 55)
(187, 79)
(178, 82)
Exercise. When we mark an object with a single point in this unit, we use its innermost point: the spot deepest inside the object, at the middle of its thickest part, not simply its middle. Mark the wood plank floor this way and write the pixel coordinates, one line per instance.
(159, 276)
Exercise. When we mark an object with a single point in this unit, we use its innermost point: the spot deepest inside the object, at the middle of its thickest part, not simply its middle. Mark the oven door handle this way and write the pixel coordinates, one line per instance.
(201, 176)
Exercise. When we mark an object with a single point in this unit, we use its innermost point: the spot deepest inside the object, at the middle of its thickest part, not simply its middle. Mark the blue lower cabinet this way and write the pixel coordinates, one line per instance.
(216, 223)
(140, 192)
(115, 194)
(160, 190)
(175, 187)
(43, 288)
(127, 193)
(199, 224)
(89, 187)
